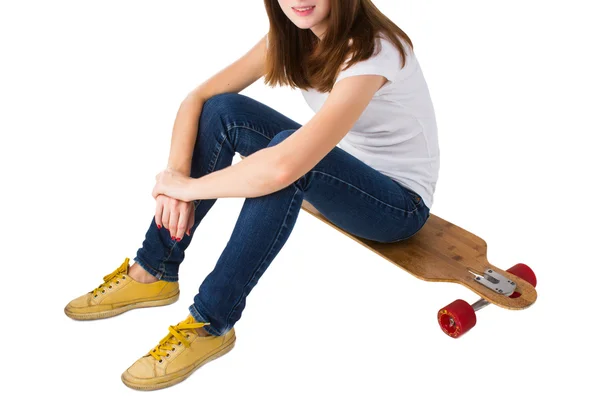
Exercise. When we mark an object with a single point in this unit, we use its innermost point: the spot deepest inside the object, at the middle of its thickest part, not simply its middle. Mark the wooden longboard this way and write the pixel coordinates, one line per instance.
(444, 252)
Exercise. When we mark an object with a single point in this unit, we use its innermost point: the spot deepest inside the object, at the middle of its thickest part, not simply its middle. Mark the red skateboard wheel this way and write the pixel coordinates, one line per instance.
(457, 318)
(524, 272)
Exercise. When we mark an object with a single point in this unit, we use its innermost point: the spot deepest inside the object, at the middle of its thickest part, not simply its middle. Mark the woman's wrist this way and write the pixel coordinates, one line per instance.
(178, 170)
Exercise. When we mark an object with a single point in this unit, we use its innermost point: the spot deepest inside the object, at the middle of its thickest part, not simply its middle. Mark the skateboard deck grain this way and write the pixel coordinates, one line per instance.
(444, 252)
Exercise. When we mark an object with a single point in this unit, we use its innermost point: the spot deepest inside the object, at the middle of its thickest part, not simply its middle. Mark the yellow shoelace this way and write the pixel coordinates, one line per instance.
(176, 337)
(111, 278)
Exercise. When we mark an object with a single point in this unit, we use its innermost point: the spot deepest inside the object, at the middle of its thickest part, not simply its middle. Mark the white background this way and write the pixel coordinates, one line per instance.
(89, 93)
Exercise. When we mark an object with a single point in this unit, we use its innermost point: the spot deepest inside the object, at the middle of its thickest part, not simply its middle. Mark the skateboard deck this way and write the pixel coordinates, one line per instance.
(444, 252)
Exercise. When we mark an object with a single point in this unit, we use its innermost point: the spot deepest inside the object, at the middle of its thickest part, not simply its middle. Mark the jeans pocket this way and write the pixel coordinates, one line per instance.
(415, 198)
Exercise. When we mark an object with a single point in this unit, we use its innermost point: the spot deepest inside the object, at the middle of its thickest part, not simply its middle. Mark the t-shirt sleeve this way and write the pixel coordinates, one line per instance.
(387, 62)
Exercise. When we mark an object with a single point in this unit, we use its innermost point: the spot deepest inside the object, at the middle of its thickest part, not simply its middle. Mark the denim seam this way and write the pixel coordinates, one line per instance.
(365, 193)
(212, 163)
(233, 125)
(162, 264)
(216, 155)
(272, 245)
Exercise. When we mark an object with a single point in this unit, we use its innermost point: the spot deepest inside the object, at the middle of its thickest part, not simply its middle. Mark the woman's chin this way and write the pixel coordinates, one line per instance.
(303, 24)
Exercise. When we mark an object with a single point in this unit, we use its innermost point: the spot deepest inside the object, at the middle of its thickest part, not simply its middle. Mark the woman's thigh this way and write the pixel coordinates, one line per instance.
(361, 200)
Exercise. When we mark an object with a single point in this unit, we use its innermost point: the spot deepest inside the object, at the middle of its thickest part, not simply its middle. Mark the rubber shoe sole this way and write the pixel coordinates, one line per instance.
(121, 310)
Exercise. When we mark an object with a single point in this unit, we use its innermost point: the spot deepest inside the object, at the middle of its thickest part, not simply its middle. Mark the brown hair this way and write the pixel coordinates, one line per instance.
(297, 58)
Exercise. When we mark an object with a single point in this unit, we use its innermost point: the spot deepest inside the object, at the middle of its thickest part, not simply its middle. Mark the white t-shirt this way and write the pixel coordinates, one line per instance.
(397, 132)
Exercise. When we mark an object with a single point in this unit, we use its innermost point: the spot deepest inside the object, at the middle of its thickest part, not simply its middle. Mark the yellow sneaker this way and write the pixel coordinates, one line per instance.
(177, 356)
(119, 293)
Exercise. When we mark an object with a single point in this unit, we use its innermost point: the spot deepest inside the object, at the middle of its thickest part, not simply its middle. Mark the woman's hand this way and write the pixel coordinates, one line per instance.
(173, 184)
(174, 210)
(175, 215)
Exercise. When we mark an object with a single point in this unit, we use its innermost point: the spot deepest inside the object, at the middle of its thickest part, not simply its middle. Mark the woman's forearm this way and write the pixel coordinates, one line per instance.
(185, 132)
(256, 175)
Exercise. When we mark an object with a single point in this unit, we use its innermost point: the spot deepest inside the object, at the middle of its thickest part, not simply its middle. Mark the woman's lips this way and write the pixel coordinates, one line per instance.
(304, 13)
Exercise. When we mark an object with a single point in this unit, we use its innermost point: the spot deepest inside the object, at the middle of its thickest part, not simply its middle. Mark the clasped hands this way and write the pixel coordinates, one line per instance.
(174, 207)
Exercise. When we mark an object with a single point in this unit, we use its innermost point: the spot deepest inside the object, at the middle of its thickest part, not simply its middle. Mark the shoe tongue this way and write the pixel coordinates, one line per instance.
(125, 266)
(189, 320)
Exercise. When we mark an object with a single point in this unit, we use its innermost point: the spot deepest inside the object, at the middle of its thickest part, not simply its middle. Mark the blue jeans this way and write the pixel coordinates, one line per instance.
(346, 191)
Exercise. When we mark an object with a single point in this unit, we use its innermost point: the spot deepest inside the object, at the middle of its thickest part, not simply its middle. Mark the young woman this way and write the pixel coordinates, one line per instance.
(368, 161)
